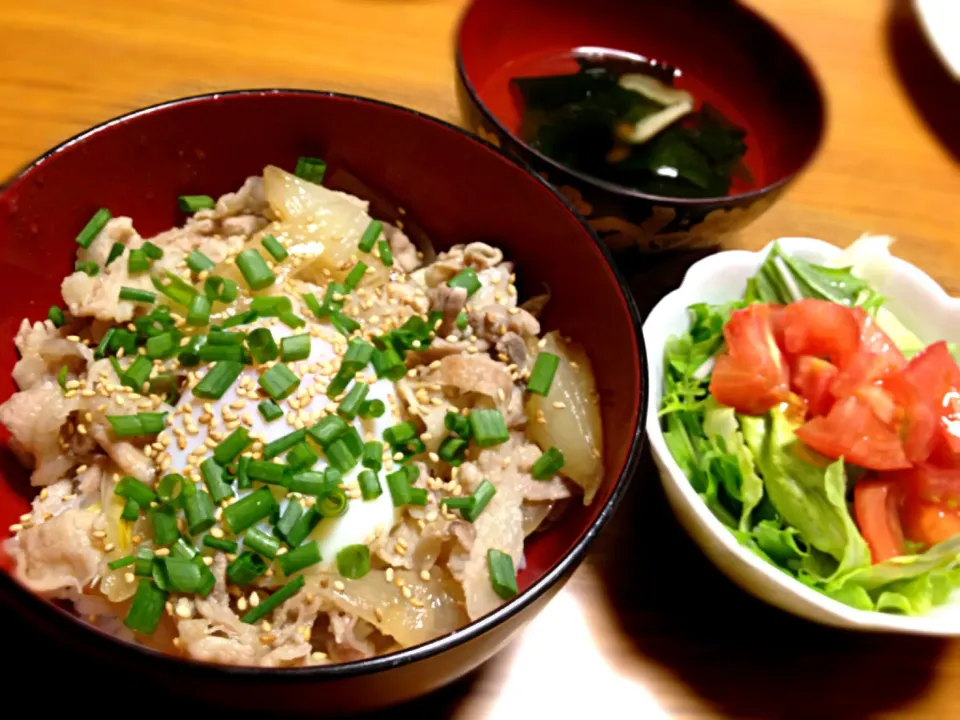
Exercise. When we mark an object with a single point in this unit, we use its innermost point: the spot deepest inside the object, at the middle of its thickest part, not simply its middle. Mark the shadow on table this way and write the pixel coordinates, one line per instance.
(934, 92)
(747, 658)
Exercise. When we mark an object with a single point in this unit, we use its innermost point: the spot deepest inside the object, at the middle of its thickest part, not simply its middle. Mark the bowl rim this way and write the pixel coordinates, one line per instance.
(625, 191)
(832, 611)
(64, 620)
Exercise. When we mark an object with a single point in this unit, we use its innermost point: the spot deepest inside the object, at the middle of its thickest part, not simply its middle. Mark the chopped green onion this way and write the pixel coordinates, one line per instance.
(193, 203)
(175, 288)
(216, 480)
(467, 279)
(351, 438)
(452, 449)
(369, 484)
(295, 347)
(399, 488)
(273, 246)
(310, 300)
(265, 471)
(279, 381)
(307, 483)
(548, 464)
(262, 346)
(400, 434)
(222, 337)
(301, 456)
(241, 319)
(216, 353)
(199, 509)
(372, 409)
(137, 262)
(274, 601)
(350, 405)
(354, 276)
(481, 498)
(246, 568)
(282, 444)
(163, 522)
(55, 315)
(302, 557)
(386, 256)
(462, 321)
(218, 380)
(62, 380)
(163, 345)
(122, 562)
(333, 503)
(146, 609)
(183, 549)
(458, 503)
(304, 526)
(89, 267)
(311, 169)
(370, 236)
(137, 295)
(270, 410)
(271, 305)
(346, 326)
(330, 302)
(198, 313)
(503, 577)
(131, 510)
(292, 320)
(137, 373)
(152, 422)
(121, 338)
(170, 489)
(261, 543)
(198, 262)
(152, 251)
(189, 355)
(144, 564)
(249, 510)
(116, 250)
(181, 574)
(340, 456)
(327, 430)
(340, 381)
(388, 364)
(418, 496)
(357, 356)
(93, 227)
(255, 270)
(129, 488)
(457, 423)
(373, 455)
(541, 377)
(353, 561)
(220, 289)
(228, 546)
(288, 521)
(231, 446)
(488, 427)
(244, 481)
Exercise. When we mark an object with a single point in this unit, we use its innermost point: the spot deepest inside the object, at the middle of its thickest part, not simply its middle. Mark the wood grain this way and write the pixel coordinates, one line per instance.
(647, 628)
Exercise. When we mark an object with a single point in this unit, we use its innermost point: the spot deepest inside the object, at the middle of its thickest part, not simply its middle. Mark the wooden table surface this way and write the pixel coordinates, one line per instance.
(646, 628)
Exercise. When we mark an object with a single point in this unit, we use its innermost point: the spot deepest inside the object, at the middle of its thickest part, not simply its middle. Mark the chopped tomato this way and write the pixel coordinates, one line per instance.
(853, 431)
(928, 522)
(811, 378)
(820, 328)
(877, 357)
(876, 506)
(918, 428)
(752, 375)
(933, 483)
(935, 379)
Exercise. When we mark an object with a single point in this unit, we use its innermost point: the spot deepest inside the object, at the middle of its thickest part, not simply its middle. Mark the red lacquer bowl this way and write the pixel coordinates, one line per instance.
(729, 57)
(456, 189)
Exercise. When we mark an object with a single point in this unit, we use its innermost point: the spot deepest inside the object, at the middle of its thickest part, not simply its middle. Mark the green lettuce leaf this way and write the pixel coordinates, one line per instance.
(808, 496)
(720, 425)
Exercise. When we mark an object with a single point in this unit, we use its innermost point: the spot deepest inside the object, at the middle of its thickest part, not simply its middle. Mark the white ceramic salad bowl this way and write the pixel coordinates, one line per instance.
(917, 301)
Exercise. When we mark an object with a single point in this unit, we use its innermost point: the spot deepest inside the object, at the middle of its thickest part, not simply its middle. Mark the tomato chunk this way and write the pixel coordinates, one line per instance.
(876, 357)
(752, 375)
(934, 377)
(822, 329)
(928, 522)
(811, 379)
(853, 431)
(876, 506)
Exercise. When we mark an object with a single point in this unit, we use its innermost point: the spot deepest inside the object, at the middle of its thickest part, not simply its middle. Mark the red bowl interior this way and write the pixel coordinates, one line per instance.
(455, 188)
(729, 57)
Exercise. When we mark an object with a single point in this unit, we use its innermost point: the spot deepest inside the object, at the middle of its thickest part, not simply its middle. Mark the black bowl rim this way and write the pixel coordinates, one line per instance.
(68, 622)
(623, 190)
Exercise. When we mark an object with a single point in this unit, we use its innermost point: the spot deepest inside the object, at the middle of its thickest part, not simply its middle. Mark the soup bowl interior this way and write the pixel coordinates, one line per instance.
(451, 188)
(729, 57)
